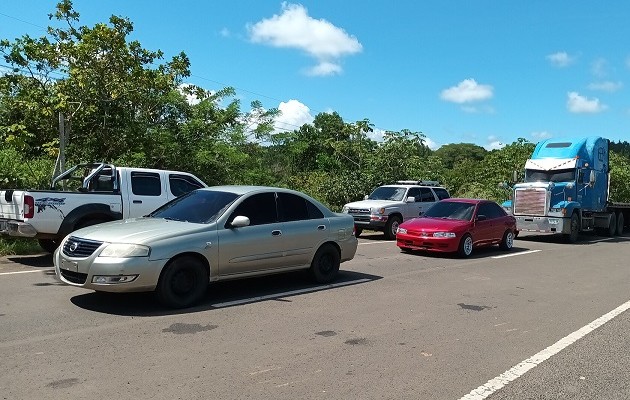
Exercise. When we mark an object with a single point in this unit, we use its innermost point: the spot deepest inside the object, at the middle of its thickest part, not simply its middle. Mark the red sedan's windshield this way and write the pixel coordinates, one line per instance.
(451, 210)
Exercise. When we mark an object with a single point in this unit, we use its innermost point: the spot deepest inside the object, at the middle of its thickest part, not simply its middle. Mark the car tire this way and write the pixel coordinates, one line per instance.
(325, 264)
(620, 223)
(49, 245)
(612, 225)
(183, 282)
(572, 237)
(392, 226)
(357, 232)
(465, 246)
(508, 240)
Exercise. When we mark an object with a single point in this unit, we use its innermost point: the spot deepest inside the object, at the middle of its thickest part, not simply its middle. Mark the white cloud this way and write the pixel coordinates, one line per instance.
(581, 104)
(541, 135)
(431, 144)
(600, 67)
(606, 86)
(225, 32)
(478, 110)
(494, 143)
(320, 39)
(560, 59)
(467, 91)
(293, 115)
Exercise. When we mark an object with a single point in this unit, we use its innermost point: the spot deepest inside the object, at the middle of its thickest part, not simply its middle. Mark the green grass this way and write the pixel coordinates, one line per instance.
(18, 246)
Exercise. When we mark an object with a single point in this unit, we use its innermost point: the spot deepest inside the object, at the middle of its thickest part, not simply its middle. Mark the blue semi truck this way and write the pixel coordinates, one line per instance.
(566, 190)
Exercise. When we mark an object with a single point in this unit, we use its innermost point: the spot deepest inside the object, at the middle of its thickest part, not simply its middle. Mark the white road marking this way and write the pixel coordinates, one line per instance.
(24, 272)
(289, 293)
(520, 253)
(518, 370)
(381, 242)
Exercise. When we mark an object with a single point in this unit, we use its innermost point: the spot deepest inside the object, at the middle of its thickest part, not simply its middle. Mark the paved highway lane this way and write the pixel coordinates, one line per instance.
(397, 326)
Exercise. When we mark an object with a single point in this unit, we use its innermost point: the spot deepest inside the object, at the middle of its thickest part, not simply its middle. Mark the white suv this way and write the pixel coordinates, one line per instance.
(389, 205)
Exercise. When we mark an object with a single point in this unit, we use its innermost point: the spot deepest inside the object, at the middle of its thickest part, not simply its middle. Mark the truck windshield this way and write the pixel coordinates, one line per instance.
(561, 175)
(198, 206)
(388, 193)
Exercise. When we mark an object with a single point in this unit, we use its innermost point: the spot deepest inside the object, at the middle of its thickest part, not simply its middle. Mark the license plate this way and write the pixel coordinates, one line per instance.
(68, 265)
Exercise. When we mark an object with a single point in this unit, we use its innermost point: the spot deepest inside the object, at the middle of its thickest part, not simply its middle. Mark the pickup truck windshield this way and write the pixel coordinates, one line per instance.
(388, 193)
(198, 206)
(561, 175)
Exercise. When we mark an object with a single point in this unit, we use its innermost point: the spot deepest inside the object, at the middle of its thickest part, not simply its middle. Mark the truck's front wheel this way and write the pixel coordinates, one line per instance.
(49, 245)
(572, 237)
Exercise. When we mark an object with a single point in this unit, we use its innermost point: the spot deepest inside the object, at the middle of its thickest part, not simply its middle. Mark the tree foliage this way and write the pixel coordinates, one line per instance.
(129, 105)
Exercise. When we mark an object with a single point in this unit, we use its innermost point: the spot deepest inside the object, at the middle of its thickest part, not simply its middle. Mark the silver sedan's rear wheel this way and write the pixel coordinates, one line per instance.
(325, 264)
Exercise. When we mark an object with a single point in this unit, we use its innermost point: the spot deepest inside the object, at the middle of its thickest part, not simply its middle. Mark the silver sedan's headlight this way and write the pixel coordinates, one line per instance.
(444, 234)
(123, 250)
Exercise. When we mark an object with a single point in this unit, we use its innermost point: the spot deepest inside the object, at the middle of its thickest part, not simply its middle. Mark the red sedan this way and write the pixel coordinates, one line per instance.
(458, 225)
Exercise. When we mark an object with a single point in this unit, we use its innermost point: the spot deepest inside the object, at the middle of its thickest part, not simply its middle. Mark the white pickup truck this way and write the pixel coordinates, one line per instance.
(89, 194)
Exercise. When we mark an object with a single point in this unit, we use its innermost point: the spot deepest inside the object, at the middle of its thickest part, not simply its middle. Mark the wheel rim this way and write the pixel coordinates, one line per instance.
(468, 245)
(395, 225)
(325, 263)
(509, 240)
(183, 282)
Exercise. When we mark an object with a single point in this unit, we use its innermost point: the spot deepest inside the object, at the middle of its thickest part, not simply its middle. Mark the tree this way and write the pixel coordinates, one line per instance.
(454, 153)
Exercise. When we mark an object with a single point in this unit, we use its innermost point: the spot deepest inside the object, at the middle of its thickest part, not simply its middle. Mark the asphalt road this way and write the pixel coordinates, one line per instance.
(546, 320)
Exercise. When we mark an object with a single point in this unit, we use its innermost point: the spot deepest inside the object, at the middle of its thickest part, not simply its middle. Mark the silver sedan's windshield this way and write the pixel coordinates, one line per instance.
(199, 206)
(388, 193)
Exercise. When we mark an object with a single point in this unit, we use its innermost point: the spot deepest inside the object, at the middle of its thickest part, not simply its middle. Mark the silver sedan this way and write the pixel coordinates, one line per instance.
(210, 234)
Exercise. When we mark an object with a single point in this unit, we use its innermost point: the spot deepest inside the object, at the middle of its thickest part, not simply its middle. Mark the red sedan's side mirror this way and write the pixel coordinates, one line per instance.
(481, 217)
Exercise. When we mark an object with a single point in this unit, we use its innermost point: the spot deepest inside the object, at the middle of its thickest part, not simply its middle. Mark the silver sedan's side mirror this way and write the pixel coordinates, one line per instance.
(240, 221)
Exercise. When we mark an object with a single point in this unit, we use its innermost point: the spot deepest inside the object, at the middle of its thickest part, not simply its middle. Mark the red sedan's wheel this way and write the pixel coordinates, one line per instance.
(508, 240)
(465, 246)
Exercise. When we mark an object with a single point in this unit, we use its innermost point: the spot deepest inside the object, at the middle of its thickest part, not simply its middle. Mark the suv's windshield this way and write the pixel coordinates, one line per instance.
(451, 210)
(199, 206)
(388, 193)
(563, 175)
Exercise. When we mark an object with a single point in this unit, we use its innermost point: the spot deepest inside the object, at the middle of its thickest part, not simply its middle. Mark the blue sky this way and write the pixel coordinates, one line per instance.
(483, 72)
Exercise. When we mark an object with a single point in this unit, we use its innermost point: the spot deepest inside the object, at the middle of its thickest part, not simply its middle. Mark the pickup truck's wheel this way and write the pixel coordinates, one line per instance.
(620, 223)
(508, 240)
(325, 264)
(49, 245)
(392, 226)
(465, 246)
(183, 282)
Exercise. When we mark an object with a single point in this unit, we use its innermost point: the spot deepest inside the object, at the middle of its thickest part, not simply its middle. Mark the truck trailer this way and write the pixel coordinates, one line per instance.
(567, 190)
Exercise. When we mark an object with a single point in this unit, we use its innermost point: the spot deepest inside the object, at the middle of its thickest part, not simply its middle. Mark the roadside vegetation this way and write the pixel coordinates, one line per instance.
(131, 106)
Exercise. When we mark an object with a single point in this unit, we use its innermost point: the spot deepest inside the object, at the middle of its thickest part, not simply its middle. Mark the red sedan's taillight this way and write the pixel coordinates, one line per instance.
(29, 207)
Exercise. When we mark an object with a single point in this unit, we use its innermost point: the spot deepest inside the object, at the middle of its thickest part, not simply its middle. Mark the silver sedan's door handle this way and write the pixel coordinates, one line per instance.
(321, 227)
(277, 232)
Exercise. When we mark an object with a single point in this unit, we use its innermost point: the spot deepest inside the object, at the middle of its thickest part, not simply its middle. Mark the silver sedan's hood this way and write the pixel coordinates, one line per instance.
(139, 230)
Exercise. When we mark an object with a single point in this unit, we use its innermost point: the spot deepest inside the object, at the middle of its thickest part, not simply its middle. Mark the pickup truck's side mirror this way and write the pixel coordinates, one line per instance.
(239, 221)
(365, 197)
(410, 199)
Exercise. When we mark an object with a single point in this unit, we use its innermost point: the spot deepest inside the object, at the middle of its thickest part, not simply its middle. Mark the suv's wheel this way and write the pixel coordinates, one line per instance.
(357, 232)
(392, 226)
